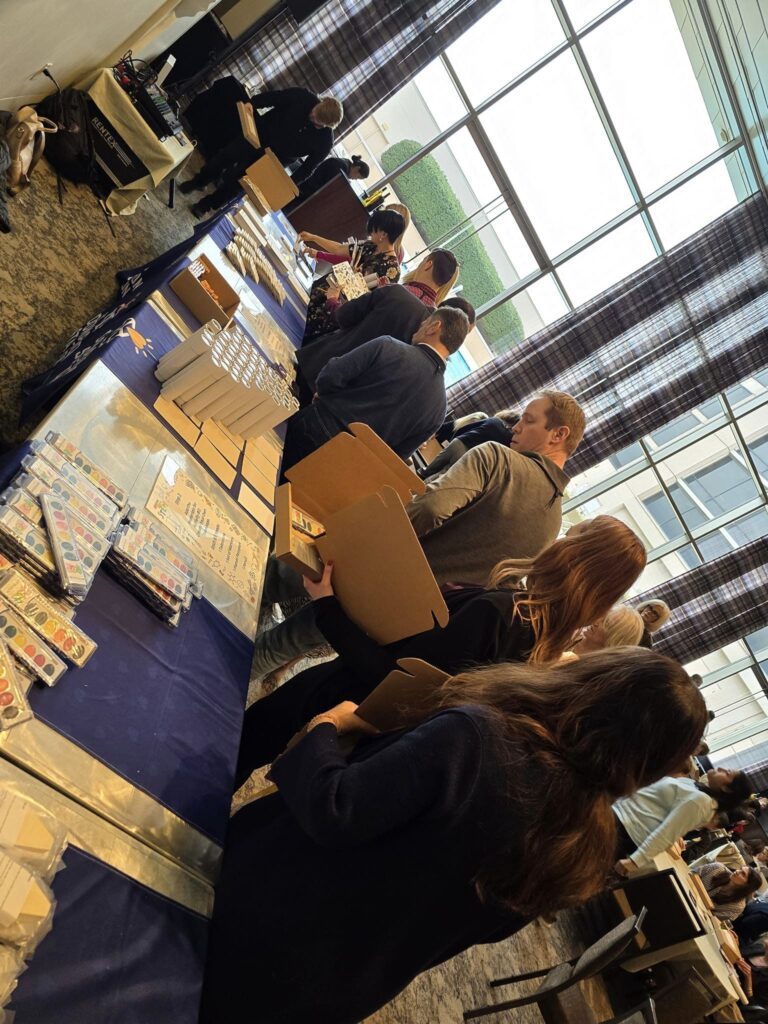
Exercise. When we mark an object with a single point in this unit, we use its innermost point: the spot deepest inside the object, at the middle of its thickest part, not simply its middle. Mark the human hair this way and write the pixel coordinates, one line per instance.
(565, 411)
(573, 582)
(328, 112)
(755, 845)
(660, 608)
(445, 273)
(455, 327)
(388, 221)
(731, 796)
(457, 302)
(572, 738)
(405, 213)
(508, 416)
(623, 627)
(730, 890)
(363, 170)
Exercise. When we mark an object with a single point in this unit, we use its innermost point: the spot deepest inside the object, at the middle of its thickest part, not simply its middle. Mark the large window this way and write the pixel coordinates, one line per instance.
(557, 147)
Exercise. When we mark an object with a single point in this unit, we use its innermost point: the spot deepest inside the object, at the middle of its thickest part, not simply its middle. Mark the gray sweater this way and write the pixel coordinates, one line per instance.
(493, 503)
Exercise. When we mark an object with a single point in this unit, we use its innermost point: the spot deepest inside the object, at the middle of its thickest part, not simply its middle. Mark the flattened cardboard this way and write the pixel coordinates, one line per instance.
(197, 300)
(265, 448)
(347, 468)
(260, 462)
(178, 421)
(218, 438)
(263, 486)
(215, 461)
(248, 124)
(253, 504)
(272, 180)
(255, 196)
(291, 546)
(380, 573)
(404, 698)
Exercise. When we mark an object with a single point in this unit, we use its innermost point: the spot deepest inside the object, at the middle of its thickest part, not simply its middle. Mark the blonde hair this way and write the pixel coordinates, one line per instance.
(329, 112)
(443, 290)
(565, 411)
(623, 627)
(661, 608)
(573, 582)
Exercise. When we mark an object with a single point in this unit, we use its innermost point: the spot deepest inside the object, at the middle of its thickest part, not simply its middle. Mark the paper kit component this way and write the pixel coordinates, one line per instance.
(30, 835)
(269, 176)
(30, 650)
(206, 294)
(74, 574)
(264, 486)
(88, 468)
(261, 446)
(293, 546)
(197, 375)
(253, 504)
(373, 539)
(349, 281)
(404, 698)
(187, 350)
(215, 461)
(248, 124)
(347, 468)
(35, 608)
(26, 904)
(216, 435)
(14, 707)
(36, 488)
(177, 420)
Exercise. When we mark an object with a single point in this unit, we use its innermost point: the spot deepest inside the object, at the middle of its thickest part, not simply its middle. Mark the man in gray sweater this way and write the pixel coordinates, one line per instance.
(500, 502)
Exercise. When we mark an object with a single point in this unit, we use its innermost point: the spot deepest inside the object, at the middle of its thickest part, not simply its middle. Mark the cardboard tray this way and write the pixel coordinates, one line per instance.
(292, 547)
(347, 468)
(404, 698)
(272, 180)
(198, 301)
(248, 123)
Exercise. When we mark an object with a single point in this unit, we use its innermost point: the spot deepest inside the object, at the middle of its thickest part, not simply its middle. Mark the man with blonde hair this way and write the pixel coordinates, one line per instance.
(293, 123)
(500, 501)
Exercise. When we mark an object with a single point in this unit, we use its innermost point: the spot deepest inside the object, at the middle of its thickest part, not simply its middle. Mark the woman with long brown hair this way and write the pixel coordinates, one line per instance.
(368, 868)
(574, 581)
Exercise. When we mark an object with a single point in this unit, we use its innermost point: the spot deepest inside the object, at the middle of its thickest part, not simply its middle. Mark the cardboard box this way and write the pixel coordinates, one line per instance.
(272, 180)
(198, 300)
(347, 468)
(291, 545)
(256, 196)
(404, 698)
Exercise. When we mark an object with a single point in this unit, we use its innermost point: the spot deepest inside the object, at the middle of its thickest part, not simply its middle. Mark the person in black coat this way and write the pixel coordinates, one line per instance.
(296, 124)
(354, 168)
(367, 868)
(492, 428)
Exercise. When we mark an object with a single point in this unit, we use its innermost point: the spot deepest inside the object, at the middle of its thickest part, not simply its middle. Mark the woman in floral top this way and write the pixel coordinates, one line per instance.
(374, 257)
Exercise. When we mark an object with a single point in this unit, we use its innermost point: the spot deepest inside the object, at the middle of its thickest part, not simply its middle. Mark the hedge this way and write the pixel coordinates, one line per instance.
(436, 210)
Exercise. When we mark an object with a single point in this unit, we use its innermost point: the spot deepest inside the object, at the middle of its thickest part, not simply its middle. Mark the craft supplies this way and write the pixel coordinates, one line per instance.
(71, 562)
(30, 835)
(87, 467)
(47, 464)
(14, 707)
(22, 596)
(30, 650)
(26, 904)
(349, 281)
(96, 520)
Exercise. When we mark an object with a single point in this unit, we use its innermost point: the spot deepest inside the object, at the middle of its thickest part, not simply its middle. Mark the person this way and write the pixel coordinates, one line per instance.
(397, 311)
(500, 502)
(621, 627)
(573, 579)
(372, 865)
(655, 614)
(405, 213)
(457, 302)
(296, 124)
(652, 819)
(398, 389)
(354, 168)
(493, 428)
(375, 258)
(728, 888)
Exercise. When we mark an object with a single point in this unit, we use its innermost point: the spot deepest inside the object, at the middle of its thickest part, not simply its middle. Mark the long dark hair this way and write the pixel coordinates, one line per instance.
(571, 739)
(388, 221)
(731, 891)
(731, 796)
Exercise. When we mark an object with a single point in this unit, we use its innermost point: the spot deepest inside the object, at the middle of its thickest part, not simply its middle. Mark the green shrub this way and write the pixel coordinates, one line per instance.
(436, 210)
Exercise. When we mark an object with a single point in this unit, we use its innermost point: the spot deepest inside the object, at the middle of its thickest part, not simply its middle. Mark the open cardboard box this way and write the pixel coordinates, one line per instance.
(404, 698)
(272, 180)
(199, 301)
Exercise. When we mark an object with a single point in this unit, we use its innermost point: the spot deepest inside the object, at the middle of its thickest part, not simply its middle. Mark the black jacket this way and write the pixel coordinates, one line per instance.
(391, 310)
(323, 173)
(481, 630)
(287, 130)
(359, 873)
(490, 429)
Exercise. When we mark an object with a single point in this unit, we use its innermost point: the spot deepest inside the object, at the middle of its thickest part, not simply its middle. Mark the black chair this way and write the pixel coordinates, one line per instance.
(564, 975)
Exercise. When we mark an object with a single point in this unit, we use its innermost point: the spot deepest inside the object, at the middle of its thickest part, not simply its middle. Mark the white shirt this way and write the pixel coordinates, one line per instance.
(657, 815)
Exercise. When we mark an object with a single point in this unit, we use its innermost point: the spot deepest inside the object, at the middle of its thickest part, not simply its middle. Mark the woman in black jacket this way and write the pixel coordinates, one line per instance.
(574, 581)
(368, 868)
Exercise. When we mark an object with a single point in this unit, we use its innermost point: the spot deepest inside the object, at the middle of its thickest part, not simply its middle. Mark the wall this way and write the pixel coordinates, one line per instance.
(75, 35)
(239, 16)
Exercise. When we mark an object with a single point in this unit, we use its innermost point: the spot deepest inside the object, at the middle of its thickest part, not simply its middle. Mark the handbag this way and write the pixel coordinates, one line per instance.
(25, 136)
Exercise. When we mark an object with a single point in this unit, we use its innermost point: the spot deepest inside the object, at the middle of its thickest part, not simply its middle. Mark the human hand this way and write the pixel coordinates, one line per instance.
(333, 292)
(344, 720)
(322, 587)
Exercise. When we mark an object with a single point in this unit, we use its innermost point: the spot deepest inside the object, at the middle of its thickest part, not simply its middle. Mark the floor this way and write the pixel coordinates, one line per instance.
(57, 269)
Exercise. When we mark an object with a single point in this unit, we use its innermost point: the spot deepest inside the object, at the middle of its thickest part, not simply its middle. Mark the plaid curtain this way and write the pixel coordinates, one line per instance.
(714, 604)
(753, 761)
(361, 51)
(692, 323)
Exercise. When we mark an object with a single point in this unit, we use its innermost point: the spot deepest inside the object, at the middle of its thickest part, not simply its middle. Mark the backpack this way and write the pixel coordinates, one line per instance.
(70, 151)
(25, 137)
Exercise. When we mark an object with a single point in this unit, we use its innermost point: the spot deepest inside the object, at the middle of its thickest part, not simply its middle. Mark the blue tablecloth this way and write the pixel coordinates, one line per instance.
(118, 953)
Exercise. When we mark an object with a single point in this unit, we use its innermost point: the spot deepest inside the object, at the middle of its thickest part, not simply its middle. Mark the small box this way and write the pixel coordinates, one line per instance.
(198, 299)
(272, 180)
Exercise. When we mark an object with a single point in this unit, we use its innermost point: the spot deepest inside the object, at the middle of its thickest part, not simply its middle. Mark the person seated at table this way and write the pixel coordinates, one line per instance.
(652, 819)
(728, 888)
(397, 311)
(572, 580)
(354, 168)
(374, 259)
(405, 213)
(398, 389)
(493, 428)
(372, 865)
(296, 124)
(621, 627)
(654, 614)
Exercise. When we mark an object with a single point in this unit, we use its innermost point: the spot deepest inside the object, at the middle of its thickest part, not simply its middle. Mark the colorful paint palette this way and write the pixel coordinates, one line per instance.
(75, 575)
(36, 488)
(29, 540)
(34, 607)
(87, 467)
(14, 707)
(24, 504)
(73, 477)
(151, 534)
(150, 563)
(27, 646)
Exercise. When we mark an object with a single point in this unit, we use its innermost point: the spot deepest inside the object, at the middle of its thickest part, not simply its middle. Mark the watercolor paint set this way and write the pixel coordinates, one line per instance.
(39, 612)
(73, 477)
(87, 467)
(35, 487)
(14, 707)
(148, 575)
(28, 546)
(23, 503)
(152, 534)
(29, 648)
(76, 563)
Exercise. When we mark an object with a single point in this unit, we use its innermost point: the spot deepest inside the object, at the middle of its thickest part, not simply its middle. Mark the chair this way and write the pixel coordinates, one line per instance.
(686, 1000)
(645, 1013)
(564, 975)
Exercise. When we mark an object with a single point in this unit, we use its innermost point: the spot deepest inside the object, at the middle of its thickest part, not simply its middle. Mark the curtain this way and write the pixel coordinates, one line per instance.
(714, 604)
(361, 51)
(692, 323)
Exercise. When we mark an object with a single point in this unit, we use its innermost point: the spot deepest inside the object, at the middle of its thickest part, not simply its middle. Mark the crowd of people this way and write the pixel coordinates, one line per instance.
(558, 757)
